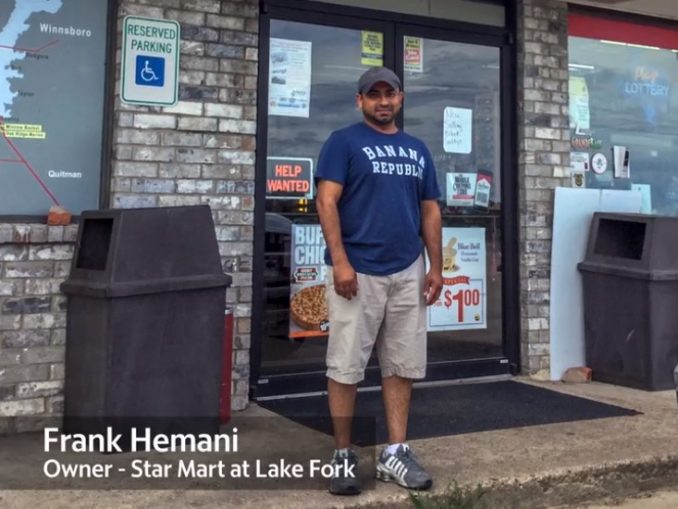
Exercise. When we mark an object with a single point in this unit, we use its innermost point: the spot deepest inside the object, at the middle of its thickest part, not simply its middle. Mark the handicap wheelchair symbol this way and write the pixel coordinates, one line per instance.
(147, 74)
(150, 71)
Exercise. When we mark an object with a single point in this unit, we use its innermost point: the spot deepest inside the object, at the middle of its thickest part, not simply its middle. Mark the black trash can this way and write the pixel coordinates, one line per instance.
(630, 280)
(145, 321)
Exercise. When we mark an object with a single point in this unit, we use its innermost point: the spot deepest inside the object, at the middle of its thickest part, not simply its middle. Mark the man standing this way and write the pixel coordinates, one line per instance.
(377, 202)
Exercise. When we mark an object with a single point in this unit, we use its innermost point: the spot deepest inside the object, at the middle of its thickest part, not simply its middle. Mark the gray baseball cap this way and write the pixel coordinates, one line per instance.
(376, 74)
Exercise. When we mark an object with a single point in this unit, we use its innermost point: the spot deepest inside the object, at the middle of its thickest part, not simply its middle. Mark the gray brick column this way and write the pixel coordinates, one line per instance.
(201, 151)
(544, 147)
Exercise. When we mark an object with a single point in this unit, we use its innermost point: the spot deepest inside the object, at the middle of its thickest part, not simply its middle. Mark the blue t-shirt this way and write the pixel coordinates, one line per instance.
(385, 177)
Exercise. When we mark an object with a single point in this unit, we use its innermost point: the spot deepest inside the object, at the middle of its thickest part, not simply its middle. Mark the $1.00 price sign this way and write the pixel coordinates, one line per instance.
(460, 306)
(463, 300)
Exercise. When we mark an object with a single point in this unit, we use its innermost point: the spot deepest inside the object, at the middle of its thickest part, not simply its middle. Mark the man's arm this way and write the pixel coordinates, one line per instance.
(431, 232)
(345, 278)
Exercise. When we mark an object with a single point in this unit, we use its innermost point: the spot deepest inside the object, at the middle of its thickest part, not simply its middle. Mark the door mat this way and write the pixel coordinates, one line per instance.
(452, 410)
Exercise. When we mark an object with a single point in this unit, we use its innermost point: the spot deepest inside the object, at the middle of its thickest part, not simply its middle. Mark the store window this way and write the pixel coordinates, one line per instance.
(624, 107)
(52, 90)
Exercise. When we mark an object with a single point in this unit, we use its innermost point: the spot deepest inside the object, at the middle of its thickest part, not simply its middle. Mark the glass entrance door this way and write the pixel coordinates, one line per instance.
(452, 92)
(452, 102)
(313, 71)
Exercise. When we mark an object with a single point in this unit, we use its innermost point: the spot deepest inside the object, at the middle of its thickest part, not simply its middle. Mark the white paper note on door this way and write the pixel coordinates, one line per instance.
(457, 130)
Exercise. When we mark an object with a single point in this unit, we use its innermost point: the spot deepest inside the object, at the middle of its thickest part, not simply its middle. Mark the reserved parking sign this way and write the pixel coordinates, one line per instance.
(150, 61)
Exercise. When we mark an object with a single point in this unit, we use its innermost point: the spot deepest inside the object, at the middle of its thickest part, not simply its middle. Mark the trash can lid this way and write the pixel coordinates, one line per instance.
(127, 251)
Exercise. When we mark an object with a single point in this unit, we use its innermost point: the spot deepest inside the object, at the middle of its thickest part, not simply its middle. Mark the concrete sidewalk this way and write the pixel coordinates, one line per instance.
(531, 467)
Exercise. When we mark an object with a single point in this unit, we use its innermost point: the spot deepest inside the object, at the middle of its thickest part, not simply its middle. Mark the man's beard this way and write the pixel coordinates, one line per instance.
(383, 120)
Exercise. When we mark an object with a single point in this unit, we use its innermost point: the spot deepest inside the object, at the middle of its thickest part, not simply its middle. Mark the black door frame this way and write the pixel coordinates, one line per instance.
(392, 25)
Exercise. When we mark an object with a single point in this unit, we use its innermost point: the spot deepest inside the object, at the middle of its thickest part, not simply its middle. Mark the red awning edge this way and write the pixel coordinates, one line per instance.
(594, 27)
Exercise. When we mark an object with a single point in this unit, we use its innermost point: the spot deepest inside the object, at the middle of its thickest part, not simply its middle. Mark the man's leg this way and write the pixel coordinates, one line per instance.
(341, 398)
(402, 347)
(354, 325)
(396, 462)
(342, 403)
(396, 393)
(402, 356)
(353, 329)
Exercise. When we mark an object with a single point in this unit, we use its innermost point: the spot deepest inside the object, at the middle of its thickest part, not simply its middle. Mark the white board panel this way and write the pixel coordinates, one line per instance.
(572, 215)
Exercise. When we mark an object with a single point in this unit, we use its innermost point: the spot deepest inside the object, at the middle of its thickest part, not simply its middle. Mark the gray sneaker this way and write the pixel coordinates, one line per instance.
(345, 480)
(403, 468)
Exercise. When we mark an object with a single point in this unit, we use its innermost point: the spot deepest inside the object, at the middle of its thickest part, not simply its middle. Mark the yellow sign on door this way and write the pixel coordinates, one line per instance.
(372, 49)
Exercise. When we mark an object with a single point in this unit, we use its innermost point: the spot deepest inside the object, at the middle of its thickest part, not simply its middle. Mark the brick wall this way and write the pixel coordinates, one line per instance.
(544, 148)
(34, 260)
(201, 151)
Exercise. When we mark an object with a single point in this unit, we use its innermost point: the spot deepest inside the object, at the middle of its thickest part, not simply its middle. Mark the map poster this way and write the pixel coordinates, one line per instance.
(289, 85)
(463, 300)
(52, 81)
(308, 307)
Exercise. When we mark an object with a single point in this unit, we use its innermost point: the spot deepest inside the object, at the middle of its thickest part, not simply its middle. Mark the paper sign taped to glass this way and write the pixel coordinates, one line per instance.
(599, 163)
(463, 300)
(309, 316)
(483, 189)
(579, 161)
(457, 130)
(413, 54)
(578, 179)
(461, 189)
(620, 160)
(289, 83)
(372, 48)
(580, 113)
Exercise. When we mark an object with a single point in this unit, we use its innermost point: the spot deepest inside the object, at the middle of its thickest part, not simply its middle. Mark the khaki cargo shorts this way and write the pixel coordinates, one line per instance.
(389, 311)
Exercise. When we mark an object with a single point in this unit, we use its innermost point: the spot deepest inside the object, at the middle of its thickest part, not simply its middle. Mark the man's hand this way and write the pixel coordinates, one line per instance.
(433, 285)
(345, 281)
(431, 232)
